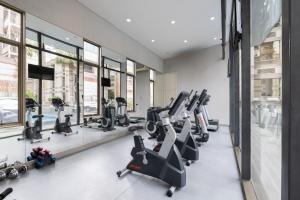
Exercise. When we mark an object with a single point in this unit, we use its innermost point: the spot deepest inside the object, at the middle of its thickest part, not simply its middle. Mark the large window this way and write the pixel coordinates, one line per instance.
(63, 86)
(46, 51)
(266, 104)
(10, 54)
(91, 80)
(90, 90)
(152, 78)
(112, 71)
(130, 86)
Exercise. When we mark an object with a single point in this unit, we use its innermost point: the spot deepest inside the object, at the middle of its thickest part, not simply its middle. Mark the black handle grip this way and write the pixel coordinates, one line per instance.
(6, 193)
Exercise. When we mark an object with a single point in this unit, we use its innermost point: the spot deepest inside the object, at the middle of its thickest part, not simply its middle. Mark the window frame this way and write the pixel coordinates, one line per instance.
(21, 71)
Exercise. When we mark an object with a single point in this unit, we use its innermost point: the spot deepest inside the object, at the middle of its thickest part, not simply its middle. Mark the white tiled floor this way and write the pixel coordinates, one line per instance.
(92, 175)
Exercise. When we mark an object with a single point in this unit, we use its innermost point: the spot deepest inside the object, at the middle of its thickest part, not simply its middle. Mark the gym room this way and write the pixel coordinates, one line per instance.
(137, 99)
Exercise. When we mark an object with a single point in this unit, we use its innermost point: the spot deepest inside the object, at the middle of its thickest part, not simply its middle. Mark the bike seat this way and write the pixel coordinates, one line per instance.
(37, 116)
(135, 128)
(69, 115)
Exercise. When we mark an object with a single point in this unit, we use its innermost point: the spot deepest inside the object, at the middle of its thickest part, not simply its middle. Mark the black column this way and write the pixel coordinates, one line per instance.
(246, 91)
(291, 100)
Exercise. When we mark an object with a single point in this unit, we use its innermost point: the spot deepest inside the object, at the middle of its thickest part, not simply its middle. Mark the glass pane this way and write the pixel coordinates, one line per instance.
(130, 93)
(59, 47)
(10, 24)
(266, 101)
(151, 93)
(130, 67)
(152, 75)
(112, 64)
(32, 85)
(91, 53)
(31, 38)
(8, 83)
(81, 90)
(114, 90)
(90, 90)
(63, 86)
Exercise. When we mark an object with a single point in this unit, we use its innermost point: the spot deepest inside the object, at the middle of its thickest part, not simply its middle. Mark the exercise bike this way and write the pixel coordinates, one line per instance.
(153, 125)
(32, 131)
(62, 127)
(121, 115)
(4, 194)
(166, 163)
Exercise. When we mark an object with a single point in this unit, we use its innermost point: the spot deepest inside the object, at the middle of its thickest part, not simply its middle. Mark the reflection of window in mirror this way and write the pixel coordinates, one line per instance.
(130, 87)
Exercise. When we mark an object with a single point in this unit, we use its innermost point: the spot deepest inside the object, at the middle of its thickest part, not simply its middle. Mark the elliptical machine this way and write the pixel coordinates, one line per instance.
(62, 127)
(32, 131)
(166, 163)
(107, 121)
(121, 114)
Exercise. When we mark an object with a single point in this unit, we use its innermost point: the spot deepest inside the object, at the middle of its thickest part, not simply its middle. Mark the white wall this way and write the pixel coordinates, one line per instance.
(204, 69)
(74, 17)
(142, 93)
(165, 88)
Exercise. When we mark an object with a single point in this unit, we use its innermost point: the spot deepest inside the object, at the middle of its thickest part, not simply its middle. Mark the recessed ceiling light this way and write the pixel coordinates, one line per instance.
(215, 38)
(128, 20)
(152, 40)
(67, 38)
(173, 22)
(185, 41)
(212, 18)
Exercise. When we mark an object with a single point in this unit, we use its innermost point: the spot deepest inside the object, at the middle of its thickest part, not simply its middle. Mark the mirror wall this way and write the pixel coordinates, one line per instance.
(63, 66)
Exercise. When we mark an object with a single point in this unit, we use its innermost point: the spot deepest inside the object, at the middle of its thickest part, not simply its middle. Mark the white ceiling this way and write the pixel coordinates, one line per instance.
(151, 21)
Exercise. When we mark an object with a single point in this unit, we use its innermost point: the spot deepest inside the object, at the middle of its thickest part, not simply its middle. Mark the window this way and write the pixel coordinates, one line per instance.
(130, 67)
(111, 70)
(130, 85)
(91, 79)
(31, 38)
(63, 57)
(152, 77)
(32, 85)
(151, 93)
(91, 53)
(90, 90)
(10, 51)
(115, 85)
(9, 88)
(58, 47)
(10, 24)
(64, 86)
(266, 104)
(111, 64)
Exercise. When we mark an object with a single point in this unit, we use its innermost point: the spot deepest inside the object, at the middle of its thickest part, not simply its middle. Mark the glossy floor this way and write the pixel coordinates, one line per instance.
(92, 175)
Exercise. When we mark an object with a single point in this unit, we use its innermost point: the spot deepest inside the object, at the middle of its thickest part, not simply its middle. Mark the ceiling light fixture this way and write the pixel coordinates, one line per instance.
(128, 20)
(215, 38)
(67, 38)
(173, 22)
(185, 41)
(212, 18)
(152, 40)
